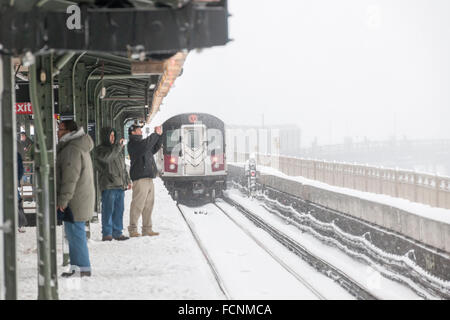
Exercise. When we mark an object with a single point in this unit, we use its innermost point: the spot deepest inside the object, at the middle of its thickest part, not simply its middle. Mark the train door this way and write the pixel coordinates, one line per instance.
(194, 149)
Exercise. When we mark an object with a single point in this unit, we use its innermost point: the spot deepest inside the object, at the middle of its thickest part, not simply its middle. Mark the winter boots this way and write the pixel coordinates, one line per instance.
(150, 233)
(121, 238)
(146, 231)
(134, 234)
(72, 273)
(107, 238)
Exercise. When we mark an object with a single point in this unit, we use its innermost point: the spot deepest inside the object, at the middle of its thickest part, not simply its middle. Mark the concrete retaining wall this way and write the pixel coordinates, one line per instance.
(427, 231)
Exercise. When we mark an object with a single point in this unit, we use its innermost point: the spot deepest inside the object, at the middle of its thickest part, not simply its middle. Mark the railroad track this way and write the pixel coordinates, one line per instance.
(344, 280)
(264, 247)
(221, 283)
(210, 262)
(397, 266)
(405, 261)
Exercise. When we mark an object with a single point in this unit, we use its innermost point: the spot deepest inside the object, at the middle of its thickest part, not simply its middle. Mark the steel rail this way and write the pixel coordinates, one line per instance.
(275, 257)
(206, 255)
(423, 284)
(339, 276)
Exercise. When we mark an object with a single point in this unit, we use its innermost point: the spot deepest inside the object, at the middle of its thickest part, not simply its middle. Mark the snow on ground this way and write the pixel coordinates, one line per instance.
(169, 266)
(426, 211)
(362, 273)
(321, 283)
(248, 272)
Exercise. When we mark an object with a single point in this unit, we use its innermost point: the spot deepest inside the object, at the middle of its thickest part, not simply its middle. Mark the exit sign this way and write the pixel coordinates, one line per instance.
(24, 108)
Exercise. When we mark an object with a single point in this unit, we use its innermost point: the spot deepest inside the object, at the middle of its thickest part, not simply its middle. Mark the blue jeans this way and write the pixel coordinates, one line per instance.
(78, 249)
(112, 212)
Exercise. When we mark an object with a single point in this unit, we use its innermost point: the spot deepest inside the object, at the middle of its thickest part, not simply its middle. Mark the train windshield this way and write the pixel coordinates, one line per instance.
(172, 140)
(194, 138)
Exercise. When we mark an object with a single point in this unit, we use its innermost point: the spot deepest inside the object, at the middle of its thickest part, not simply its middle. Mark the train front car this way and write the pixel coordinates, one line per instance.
(192, 161)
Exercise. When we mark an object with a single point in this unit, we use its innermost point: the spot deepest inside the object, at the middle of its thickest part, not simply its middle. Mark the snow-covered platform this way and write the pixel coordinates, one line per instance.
(169, 266)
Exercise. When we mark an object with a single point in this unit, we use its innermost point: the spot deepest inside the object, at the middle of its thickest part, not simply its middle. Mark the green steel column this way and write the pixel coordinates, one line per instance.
(65, 106)
(27, 128)
(79, 108)
(65, 94)
(79, 99)
(41, 93)
(9, 177)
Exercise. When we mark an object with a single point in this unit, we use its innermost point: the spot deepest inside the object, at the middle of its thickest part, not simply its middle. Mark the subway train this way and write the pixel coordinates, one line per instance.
(192, 161)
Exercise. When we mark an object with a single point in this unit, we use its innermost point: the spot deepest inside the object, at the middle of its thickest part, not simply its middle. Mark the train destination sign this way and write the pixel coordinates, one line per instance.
(193, 118)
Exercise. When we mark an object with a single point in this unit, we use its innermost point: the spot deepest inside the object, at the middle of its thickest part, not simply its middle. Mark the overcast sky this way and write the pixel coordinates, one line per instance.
(337, 68)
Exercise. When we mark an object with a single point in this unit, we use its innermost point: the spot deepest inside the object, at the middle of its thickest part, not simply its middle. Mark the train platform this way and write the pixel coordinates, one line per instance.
(171, 266)
(168, 266)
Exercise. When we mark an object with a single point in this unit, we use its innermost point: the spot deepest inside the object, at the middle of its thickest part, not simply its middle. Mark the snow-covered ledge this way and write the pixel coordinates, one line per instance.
(417, 221)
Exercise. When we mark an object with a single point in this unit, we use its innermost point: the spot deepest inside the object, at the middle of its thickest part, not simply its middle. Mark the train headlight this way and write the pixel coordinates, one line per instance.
(217, 162)
(170, 163)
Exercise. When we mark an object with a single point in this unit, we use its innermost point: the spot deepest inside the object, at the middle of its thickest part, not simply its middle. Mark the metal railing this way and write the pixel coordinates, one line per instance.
(423, 188)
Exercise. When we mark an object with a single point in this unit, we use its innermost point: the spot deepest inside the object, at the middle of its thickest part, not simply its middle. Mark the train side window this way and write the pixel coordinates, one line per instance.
(215, 141)
(173, 141)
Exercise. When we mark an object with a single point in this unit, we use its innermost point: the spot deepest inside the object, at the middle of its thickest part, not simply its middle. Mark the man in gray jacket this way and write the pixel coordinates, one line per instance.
(113, 180)
(75, 191)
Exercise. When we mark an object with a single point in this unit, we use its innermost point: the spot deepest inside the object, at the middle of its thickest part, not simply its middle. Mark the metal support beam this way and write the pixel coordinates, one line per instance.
(65, 94)
(124, 98)
(41, 93)
(156, 30)
(119, 76)
(62, 62)
(79, 99)
(9, 178)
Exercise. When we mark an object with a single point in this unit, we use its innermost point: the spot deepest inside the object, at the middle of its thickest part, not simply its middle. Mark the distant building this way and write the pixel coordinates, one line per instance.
(275, 140)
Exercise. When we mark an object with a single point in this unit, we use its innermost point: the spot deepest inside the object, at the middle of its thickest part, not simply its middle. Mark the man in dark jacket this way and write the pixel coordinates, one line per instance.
(75, 192)
(142, 171)
(24, 146)
(113, 180)
(22, 218)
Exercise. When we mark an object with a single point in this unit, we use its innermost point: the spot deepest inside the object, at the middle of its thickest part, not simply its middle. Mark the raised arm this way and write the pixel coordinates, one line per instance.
(158, 144)
(107, 154)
